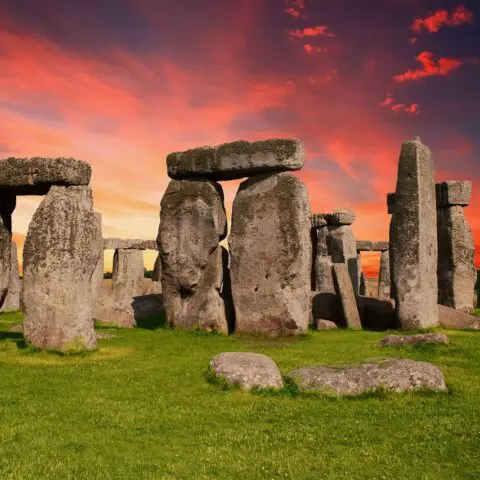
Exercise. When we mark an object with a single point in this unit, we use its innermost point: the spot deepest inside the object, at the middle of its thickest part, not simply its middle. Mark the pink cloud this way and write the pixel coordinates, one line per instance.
(441, 18)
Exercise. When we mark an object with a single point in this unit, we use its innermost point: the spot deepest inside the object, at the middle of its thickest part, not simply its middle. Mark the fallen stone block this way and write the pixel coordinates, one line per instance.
(451, 318)
(247, 370)
(326, 325)
(420, 339)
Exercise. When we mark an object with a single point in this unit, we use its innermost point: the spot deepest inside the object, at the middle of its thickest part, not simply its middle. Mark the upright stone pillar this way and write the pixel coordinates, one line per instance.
(384, 274)
(456, 248)
(413, 239)
(7, 205)
(271, 260)
(192, 222)
(323, 273)
(97, 276)
(12, 300)
(156, 286)
(342, 244)
(127, 274)
(59, 258)
(363, 288)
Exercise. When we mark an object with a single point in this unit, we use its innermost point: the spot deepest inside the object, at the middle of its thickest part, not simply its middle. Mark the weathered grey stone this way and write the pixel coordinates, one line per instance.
(323, 267)
(391, 203)
(342, 247)
(365, 245)
(398, 375)
(344, 289)
(456, 259)
(413, 239)
(453, 193)
(363, 284)
(12, 299)
(97, 276)
(319, 220)
(129, 244)
(384, 275)
(156, 285)
(34, 176)
(7, 205)
(419, 339)
(127, 275)
(59, 258)
(451, 318)
(381, 246)
(327, 306)
(192, 221)
(326, 325)
(341, 216)
(376, 313)
(247, 370)
(271, 257)
(237, 159)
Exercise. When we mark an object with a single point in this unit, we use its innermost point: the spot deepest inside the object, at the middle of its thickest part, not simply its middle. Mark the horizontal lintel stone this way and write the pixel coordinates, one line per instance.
(129, 244)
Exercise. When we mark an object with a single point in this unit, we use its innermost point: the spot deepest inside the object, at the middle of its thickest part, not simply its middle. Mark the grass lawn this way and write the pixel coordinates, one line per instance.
(141, 408)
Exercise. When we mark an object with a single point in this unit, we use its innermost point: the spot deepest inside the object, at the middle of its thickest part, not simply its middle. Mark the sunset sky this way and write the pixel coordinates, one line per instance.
(121, 83)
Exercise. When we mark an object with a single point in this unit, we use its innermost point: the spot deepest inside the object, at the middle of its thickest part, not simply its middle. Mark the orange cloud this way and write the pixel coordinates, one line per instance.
(431, 67)
(295, 7)
(317, 31)
(440, 18)
(399, 107)
(309, 48)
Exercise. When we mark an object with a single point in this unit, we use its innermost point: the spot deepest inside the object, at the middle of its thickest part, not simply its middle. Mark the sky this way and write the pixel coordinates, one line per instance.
(122, 83)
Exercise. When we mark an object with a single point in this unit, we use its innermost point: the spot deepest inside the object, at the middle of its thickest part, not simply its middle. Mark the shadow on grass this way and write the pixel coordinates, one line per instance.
(152, 322)
(11, 335)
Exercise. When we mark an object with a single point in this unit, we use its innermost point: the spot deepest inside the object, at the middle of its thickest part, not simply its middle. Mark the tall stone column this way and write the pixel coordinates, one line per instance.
(384, 275)
(12, 300)
(59, 257)
(342, 244)
(413, 239)
(362, 246)
(271, 257)
(127, 274)
(97, 276)
(323, 273)
(7, 206)
(192, 222)
(456, 248)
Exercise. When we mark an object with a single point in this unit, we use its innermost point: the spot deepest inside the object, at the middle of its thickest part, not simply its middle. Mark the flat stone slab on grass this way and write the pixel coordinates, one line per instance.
(451, 318)
(398, 375)
(247, 370)
(129, 244)
(237, 159)
(34, 176)
(420, 339)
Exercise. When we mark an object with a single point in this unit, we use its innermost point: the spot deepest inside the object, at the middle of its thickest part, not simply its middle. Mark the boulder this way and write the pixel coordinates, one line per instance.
(413, 239)
(451, 318)
(59, 257)
(236, 159)
(192, 222)
(344, 289)
(127, 275)
(247, 370)
(326, 325)
(12, 299)
(398, 375)
(34, 176)
(420, 339)
(129, 244)
(271, 255)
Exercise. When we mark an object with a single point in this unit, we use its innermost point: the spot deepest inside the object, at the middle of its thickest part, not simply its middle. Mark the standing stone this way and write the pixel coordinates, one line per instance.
(156, 286)
(363, 284)
(456, 248)
(271, 259)
(97, 276)
(323, 261)
(192, 222)
(342, 244)
(7, 205)
(127, 274)
(345, 291)
(384, 275)
(12, 300)
(413, 239)
(59, 257)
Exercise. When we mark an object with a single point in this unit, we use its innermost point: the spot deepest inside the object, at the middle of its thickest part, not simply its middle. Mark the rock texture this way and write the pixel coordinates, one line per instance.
(420, 339)
(97, 276)
(384, 275)
(129, 244)
(127, 274)
(413, 239)
(247, 370)
(7, 205)
(323, 266)
(156, 286)
(326, 325)
(34, 176)
(365, 245)
(391, 374)
(12, 299)
(451, 318)
(271, 257)
(456, 249)
(363, 290)
(192, 222)
(59, 257)
(236, 159)
(343, 286)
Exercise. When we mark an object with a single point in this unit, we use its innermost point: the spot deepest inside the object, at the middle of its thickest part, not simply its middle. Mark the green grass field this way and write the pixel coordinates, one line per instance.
(140, 408)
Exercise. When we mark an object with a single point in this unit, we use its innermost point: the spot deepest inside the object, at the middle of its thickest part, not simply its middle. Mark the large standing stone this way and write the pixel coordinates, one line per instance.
(344, 289)
(59, 258)
(7, 205)
(156, 285)
(127, 274)
(97, 276)
(384, 275)
(237, 159)
(12, 300)
(413, 239)
(192, 221)
(271, 259)
(323, 278)
(456, 248)
(363, 284)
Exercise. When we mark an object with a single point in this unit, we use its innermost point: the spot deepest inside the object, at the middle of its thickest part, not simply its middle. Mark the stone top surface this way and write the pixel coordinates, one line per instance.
(129, 244)
(34, 176)
(341, 216)
(319, 220)
(381, 246)
(364, 245)
(236, 160)
(452, 192)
